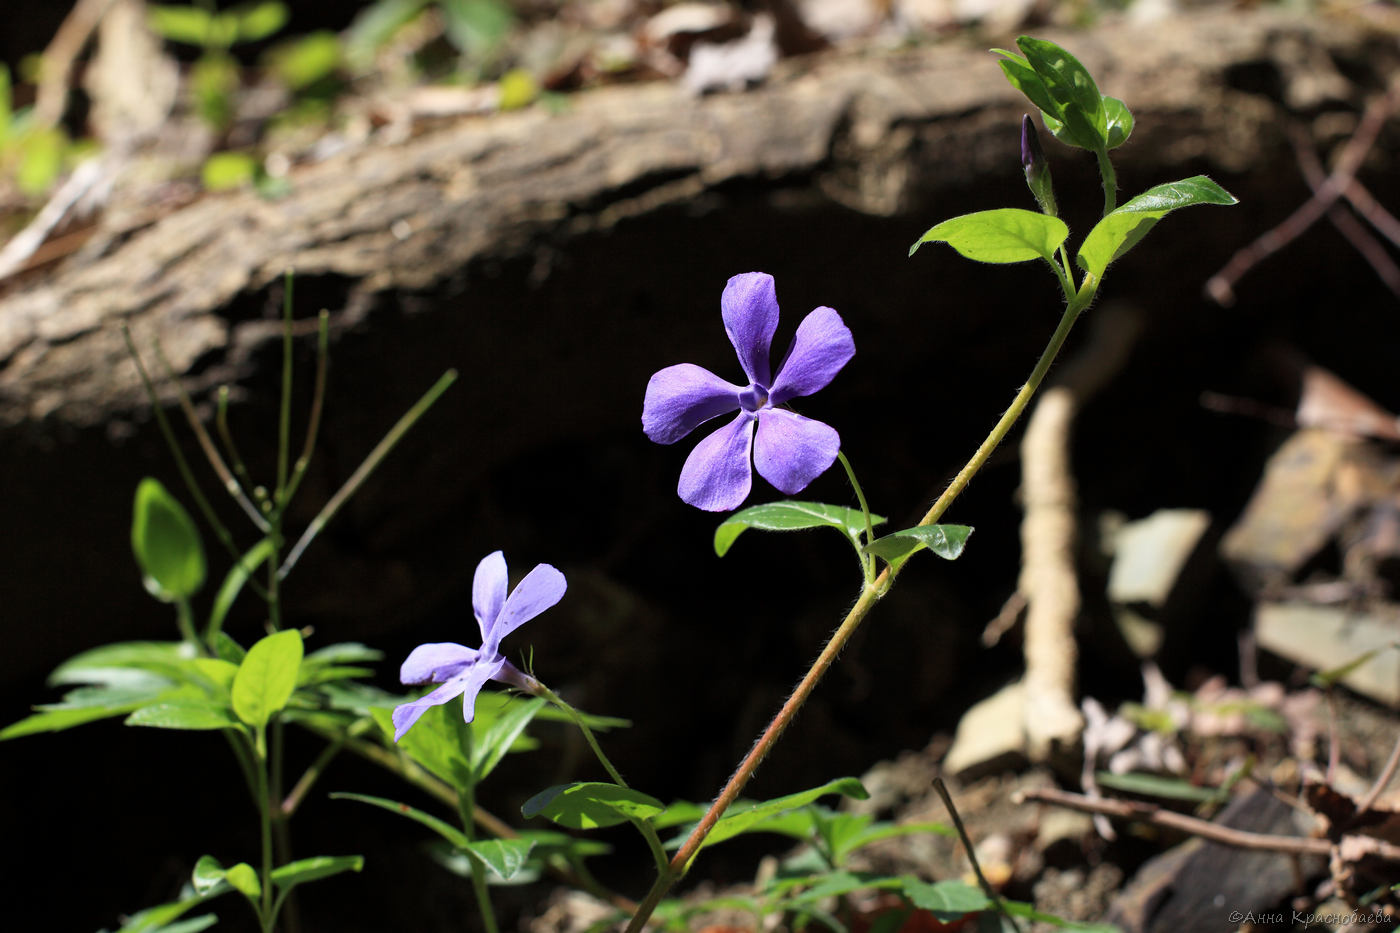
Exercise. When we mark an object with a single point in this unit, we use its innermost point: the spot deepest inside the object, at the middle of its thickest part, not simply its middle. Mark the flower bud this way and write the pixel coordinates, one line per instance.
(1037, 168)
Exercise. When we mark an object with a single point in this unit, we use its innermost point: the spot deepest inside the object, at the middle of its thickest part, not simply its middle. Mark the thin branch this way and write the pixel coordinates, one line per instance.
(1357, 235)
(206, 443)
(1221, 286)
(1382, 782)
(987, 888)
(1238, 838)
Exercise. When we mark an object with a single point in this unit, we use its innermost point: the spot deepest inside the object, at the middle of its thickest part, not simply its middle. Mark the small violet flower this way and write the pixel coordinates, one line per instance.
(789, 450)
(464, 671)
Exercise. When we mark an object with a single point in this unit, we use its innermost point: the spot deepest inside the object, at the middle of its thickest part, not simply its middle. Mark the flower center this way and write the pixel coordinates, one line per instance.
(753, 398)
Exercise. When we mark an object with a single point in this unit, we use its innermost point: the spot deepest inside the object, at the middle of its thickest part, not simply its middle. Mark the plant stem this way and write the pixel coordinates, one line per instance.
(870, 595)
(284, 414)
(987, 888)
(466, 807)
(1110, 181)
(658, 851)
(867, 561)
(265, 914)
(181, 463)
(362, 472)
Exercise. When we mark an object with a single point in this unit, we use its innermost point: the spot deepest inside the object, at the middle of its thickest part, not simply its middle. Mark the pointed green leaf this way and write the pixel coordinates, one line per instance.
(260, 20)
(288, 876)
(441, 741)
(267, 677)
(947, 900)
(591, 805)
(123, 663)
(505, 857)
(219, 672)
(208, 875)
(195, 715)
(228, 649)
(1158, 785)
(1004, 235)
(58, 720)
(492, 742)
(741, 819)
(244, 879)
(1079, 104)
(790, 515)
(1023, 78)
(947, 541)
(444, 829)
(1121, 230)
(166, 543)
(1120, 121)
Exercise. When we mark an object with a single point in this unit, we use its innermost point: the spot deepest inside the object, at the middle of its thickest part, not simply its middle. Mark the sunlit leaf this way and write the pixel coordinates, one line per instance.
(267, 677)
(591, 805)
(1121, 230)
(789, 515)
(1004, 235)
(166, 543)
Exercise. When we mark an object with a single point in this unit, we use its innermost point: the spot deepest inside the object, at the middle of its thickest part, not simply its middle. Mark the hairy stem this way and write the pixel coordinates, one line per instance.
(869, 596)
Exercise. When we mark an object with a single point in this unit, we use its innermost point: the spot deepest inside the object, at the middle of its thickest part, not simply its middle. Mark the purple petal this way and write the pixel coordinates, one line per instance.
(682, 397)
(821, 346)
(489, 591)
(467, 685)
(791, 450)
(438, 662)
(406, 714)
(542, 587)
(716, 476)
(749, 306)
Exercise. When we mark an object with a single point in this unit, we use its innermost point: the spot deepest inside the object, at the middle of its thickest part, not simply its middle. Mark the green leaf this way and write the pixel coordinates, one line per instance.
(492, 742)
(444, 829)
(440, 741)
(219, 672)
(1121, 230)
(288, 876)
(257, 21)
(946, 900)
(591, 805)
(789, 515)
(1079, 105)
(267, 677)
(208, 875)
(124, 662)
(234, 581)
(741, 819)
(229, 650)
(476, 27)
(305, 60)
(195, 715)
(244, 879)
(1120, 121)
(58, 720)
(1004, 235)
(374, 28)
(187, 24)
(889, 831)
(166, 543)
(224, 171)
(505, 857)
(947, 541)
(1155, 785)
(1327, 679)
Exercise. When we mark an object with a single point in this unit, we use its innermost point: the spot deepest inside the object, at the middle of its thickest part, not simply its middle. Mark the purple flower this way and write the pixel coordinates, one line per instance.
(464, 671)
(789, 450)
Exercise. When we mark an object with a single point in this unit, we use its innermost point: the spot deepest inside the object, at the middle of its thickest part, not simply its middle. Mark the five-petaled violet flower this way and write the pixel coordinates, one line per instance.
(464, 671)
(789, 450)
